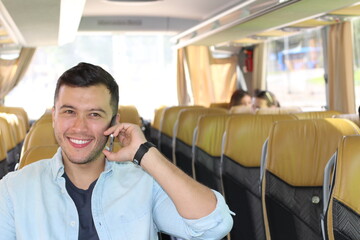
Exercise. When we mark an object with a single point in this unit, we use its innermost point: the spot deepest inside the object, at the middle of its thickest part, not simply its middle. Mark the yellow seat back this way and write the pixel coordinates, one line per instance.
(316, 114)
(184, 132)
(167, 124)
(36, 153)
(297, 153)
(344, 207)
(40, 134)
(129, 114)
(243, 141)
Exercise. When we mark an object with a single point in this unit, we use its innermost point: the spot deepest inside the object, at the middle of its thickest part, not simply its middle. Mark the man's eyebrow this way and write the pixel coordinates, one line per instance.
(90, 110)
(97, 110)
(67, 106)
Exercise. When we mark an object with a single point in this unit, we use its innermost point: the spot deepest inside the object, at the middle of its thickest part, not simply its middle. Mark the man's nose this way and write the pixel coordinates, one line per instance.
(80, 123)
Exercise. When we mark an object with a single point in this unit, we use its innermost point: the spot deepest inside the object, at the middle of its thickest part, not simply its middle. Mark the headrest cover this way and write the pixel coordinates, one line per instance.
(353, 117)
(245, 136)
(169, 118)
(279, 110)
(347, 179)
(157, 117)
(210, 131)
(188, 119)
(298, 150)
(129, 114)
(315, 115)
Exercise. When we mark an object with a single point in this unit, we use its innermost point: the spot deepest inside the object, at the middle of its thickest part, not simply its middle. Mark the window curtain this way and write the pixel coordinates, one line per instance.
(183, 97)
(11, 71)
(259, 70)
(212, 80)
(340, 70)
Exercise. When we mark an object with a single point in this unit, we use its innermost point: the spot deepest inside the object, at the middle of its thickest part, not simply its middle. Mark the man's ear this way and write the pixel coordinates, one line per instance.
(118, 117)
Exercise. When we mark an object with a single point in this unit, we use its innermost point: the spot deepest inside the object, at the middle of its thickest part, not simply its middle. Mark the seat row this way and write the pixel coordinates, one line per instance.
(270, 168)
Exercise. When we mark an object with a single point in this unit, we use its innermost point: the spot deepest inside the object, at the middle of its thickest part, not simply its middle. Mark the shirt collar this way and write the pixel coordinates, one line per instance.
(57, 165)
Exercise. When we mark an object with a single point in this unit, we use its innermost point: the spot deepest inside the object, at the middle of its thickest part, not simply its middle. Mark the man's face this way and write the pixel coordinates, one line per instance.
(80, 117)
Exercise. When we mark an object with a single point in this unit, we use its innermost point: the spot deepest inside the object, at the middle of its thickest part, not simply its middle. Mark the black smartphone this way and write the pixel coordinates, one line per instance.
(111, 136)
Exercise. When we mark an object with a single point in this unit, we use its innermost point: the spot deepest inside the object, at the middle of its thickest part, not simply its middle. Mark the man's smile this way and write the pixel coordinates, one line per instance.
(79, 143)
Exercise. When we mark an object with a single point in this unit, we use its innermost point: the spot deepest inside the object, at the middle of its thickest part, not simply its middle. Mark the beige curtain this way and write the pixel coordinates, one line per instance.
(183, 97)
(259, 70)
(11, 71)
(212, 80)
(341, 73)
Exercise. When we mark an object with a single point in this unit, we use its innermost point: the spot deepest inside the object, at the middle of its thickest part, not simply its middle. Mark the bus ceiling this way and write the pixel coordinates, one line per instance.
(52, 22)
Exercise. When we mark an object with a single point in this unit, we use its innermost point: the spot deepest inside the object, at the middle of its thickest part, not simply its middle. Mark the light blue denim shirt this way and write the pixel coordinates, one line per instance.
(127, 203)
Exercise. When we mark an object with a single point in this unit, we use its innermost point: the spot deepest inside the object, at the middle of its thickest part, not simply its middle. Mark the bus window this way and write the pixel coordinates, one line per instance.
(295, 72)
(143, 66)
(356, 32)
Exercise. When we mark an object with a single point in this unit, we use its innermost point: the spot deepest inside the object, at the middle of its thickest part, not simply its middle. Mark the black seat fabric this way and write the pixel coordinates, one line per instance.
(243, 141)
(185, 126)
(207, 150)
(168, 120)
(297, 153)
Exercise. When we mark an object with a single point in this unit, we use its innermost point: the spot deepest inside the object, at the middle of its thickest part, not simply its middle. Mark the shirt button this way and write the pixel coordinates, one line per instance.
(72, 223)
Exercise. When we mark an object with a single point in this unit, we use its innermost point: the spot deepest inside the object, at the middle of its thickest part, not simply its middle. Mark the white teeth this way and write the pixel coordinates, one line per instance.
(76, 141)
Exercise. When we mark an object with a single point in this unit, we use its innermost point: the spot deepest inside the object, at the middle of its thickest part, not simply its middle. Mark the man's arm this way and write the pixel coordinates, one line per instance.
(192, 199)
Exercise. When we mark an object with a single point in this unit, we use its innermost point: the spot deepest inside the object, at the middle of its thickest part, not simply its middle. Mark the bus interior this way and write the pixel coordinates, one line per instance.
(289, 172)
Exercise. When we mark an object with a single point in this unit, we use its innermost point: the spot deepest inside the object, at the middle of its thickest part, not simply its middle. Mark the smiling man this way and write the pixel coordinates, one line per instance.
(87, 192)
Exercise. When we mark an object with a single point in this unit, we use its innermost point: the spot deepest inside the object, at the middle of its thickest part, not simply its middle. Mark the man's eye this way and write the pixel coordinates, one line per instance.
(94, 115)
(69, 111)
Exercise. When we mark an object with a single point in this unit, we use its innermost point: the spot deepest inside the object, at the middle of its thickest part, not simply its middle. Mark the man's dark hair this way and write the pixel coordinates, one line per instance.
(86, 75)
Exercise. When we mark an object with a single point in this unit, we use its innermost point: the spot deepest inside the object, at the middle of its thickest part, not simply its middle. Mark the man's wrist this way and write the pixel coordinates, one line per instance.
(143, 149)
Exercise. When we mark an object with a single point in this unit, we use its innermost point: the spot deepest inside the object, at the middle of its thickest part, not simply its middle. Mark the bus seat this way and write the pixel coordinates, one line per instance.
(155, 125)
(219, 105)
(129, 114)
(279, 110)
(314, 115)
(46, 117)
(352, 117)
(242, 147)
(207, 150)
(168, 120)
(9, 125)
(36, 153)
(343, 209)
(40, 134)
(3, 156)
(184, 133)
(293, 173)
(19, 111)
(240, 109)
(14, 123)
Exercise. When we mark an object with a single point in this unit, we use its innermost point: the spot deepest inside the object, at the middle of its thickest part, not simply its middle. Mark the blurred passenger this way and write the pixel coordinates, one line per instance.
(264, 99)
(240, 97)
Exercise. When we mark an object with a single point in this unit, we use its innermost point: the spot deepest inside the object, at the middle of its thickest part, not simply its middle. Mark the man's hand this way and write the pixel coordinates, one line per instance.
(130, 137)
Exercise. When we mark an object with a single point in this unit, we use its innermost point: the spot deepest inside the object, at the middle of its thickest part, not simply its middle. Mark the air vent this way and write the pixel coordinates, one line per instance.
(243, 12)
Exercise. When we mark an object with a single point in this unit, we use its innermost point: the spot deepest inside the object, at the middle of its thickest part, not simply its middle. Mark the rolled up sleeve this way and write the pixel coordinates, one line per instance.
(216, 225)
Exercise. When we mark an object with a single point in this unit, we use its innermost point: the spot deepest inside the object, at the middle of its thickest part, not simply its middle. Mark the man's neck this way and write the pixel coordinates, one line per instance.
(82, 175)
